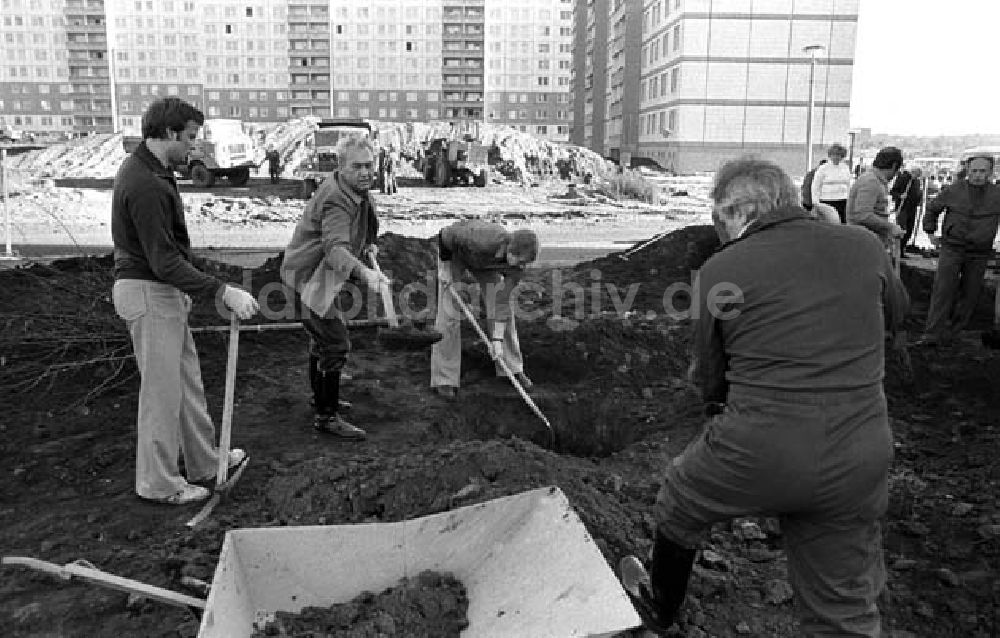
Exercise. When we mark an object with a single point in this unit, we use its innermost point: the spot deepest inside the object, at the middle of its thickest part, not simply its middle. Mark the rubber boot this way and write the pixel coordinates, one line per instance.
(669, 572)
(314, 379)
(327, 400)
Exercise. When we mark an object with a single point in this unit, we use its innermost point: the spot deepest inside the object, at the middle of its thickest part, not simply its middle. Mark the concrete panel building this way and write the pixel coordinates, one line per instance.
(54, 66)
(721, 78)
(95, 65)
(589, 77)
(621, 120)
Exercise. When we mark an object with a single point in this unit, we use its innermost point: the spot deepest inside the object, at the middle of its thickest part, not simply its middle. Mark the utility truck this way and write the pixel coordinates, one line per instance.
(222, 149)
(321, 145)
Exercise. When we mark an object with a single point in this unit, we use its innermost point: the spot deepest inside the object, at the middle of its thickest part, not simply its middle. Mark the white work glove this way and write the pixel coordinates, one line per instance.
(372, 278)
(896, 231)
(370, 251)
(240, 302)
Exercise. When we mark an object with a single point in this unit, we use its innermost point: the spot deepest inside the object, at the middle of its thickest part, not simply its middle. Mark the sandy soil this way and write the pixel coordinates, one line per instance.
(612, 384)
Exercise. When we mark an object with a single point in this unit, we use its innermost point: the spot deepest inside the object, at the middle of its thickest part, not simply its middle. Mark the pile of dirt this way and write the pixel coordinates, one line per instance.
(431, 605)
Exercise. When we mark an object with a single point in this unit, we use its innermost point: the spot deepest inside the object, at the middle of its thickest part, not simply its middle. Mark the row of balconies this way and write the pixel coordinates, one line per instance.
(463, 46)
(463, 30)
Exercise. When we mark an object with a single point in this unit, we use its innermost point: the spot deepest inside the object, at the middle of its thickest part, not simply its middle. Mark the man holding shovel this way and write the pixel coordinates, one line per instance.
(789, 360)
(337, 228)
(496, 258)
(154, 282)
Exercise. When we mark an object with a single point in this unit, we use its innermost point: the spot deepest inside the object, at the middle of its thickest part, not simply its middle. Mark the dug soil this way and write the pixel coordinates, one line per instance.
(611, 379)
(431, 605)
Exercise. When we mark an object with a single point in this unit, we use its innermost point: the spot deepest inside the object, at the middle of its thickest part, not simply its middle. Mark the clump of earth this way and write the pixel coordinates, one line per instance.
(430, 605)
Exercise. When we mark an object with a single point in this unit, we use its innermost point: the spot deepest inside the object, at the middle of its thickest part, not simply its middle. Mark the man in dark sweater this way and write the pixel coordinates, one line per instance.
(789, 340)
(155, 281)
(972, 211)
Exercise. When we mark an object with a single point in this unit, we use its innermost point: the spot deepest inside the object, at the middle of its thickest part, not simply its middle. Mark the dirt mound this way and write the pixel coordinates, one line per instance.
(431, 605)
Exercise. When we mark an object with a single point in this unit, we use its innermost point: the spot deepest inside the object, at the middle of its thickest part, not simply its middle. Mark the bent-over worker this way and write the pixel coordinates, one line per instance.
(496, 259)
(791, 365)
(338, 226)
(155, 281)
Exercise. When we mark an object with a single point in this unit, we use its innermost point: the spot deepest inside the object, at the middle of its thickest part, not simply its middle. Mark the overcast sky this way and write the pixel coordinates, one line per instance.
(927, 67)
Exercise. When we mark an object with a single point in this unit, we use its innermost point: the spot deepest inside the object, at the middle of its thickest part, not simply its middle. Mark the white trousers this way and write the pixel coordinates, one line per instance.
(446, 355)
(173, 415)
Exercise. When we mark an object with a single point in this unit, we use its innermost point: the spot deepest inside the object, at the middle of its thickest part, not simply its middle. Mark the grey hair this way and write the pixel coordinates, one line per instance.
(753, 186)
(355, 142)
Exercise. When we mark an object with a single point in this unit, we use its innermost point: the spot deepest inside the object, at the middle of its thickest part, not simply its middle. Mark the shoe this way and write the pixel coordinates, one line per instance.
(636, 583)
(446, 391)
(336, 426)
(236, 457)
(523, 379)
(188, 494)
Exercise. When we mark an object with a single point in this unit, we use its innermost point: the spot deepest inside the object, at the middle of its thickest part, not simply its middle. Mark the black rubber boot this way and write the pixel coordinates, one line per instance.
(314, 376)
(327, 420)
(657, 588)
(669, 572)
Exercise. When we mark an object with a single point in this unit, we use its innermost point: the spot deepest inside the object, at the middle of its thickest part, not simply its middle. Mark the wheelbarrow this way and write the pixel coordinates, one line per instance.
(529, 566)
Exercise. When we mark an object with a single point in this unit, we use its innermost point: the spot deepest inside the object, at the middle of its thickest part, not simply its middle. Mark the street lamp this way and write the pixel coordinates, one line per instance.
(812, 50)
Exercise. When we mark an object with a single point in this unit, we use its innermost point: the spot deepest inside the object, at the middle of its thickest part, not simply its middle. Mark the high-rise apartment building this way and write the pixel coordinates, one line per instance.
(457, 60)
(589, 78)
(721, 78)
(621, 124)
(95, 65)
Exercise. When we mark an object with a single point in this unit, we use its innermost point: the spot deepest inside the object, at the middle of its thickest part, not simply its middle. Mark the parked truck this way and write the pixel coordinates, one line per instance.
(448, 162)
(222, 149)
(321, 143)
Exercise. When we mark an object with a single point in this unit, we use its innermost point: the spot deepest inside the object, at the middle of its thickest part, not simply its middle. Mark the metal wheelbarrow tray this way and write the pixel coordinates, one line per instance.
(528, 564)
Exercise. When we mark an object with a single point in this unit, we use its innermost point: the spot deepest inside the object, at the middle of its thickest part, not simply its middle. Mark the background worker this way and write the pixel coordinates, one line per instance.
(155, 281)
(791, 365)
(338, 227)
(868, 200)
(273, 164)
(908, 203)
(496, 259)
(972, 212)
(832, 181)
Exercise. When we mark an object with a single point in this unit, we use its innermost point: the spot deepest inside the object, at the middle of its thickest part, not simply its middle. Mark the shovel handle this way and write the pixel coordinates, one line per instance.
(503, 364)
(230, 396)
(385, 292)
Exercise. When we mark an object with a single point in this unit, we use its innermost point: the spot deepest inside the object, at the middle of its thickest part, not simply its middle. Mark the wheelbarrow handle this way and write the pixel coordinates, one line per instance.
(91, 574)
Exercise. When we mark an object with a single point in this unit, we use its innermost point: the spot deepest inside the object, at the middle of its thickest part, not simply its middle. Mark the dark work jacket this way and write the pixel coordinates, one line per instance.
(148, 228)
(968, 224)
(814, 301)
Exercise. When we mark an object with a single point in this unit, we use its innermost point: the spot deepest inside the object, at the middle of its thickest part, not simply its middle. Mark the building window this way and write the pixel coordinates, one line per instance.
(543, 81)
(677, 37)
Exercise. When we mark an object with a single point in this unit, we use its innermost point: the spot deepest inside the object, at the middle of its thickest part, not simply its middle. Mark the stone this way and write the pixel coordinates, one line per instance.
(27, 613)
(777, 591)
(902, 564)
(713, 560)
(947, 577)
(742, 628)
(924, 610)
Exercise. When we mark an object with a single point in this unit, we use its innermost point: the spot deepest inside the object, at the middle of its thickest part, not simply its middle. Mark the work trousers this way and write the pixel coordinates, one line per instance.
(957, 285)
(446, 354)
(328, 340)
(173, 415)
(819, 461)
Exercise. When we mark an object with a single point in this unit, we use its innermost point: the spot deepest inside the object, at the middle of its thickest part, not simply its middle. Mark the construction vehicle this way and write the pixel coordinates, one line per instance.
(447, 161)
(222, 149)
(321, 143)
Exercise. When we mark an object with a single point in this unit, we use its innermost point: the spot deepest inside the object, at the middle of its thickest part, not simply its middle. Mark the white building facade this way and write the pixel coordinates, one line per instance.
(722, 78)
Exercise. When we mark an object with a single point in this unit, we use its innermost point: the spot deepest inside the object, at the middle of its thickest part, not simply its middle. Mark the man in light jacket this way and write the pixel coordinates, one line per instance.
(338, 227)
